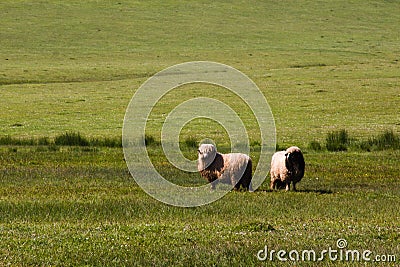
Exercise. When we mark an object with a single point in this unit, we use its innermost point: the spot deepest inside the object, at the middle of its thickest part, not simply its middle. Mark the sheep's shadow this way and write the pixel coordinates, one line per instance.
(315, 191)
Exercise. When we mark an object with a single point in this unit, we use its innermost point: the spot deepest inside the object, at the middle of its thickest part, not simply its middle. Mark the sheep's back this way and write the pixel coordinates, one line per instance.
(278, 166)
(226, 166)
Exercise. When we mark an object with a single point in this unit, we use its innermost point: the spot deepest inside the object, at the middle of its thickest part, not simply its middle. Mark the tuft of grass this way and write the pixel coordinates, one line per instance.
(71, 139)
(255, 143)
(65, 139)
(314, 145)
(191, 142)
(44, 141)
(6, 140)
(12, 149)
(279, 147)
(106, 142)
(149, 140)
(9, 140)
(384, 141)
(337, 141)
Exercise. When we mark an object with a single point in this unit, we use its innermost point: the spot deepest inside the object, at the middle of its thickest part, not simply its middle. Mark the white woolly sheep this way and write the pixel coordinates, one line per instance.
(232, 168)
(287, 167)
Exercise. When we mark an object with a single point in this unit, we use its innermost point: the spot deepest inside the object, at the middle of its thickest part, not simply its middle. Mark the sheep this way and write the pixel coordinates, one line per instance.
(232, 168)
(287, 167)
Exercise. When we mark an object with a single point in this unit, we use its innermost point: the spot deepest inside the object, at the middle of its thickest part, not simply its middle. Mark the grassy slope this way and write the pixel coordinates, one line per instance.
(75, 66)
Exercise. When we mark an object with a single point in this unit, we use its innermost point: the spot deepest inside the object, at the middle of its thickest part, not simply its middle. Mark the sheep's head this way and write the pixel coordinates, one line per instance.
(294, 159)
(207, 153)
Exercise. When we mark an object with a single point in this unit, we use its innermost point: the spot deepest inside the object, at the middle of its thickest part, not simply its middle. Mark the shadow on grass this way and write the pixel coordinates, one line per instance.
(315, 191)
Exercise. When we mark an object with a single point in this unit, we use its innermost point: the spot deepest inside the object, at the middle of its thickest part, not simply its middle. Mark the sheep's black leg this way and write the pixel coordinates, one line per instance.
(245, 181)
(246, 185)
(294, 186)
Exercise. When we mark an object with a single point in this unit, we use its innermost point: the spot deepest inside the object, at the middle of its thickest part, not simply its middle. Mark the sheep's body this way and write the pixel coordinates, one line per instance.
(279, 172)
(233, 168)
(287, 167)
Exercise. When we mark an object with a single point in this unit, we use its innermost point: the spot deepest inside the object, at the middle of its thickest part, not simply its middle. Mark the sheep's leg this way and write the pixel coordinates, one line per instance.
(236, 185)
(246, 184)
(287, 186)
(272, 185)
(274, 181)
(250, 188)
(294, 186)
(245, 181)
(212, 186)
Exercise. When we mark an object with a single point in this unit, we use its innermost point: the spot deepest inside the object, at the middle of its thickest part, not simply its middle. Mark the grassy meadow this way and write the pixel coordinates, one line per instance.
(323, 66)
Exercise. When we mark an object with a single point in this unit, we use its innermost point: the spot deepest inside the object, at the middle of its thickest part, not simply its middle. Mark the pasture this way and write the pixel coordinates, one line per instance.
(74, 66)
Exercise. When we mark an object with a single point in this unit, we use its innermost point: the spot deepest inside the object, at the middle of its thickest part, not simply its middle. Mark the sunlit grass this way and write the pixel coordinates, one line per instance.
(73, 66)
(85, 206)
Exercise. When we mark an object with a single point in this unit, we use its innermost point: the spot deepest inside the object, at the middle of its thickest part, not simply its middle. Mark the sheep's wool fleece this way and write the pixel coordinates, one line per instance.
(227, 168)
(278, 166)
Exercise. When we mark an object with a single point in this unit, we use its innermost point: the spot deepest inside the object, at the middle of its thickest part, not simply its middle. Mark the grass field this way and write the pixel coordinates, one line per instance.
(323, 66)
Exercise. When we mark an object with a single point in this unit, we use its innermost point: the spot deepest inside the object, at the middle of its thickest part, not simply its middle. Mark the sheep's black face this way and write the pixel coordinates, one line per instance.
(294, 161)
(292, 157)
(288, 160)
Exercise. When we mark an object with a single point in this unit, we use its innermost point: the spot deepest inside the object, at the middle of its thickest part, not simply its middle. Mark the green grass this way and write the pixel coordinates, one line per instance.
(320, 65)
(72, 67)
(85, 206)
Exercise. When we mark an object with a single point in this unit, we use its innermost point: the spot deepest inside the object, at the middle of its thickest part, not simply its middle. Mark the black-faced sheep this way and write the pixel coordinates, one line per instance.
(287, 167)
(232, 168)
